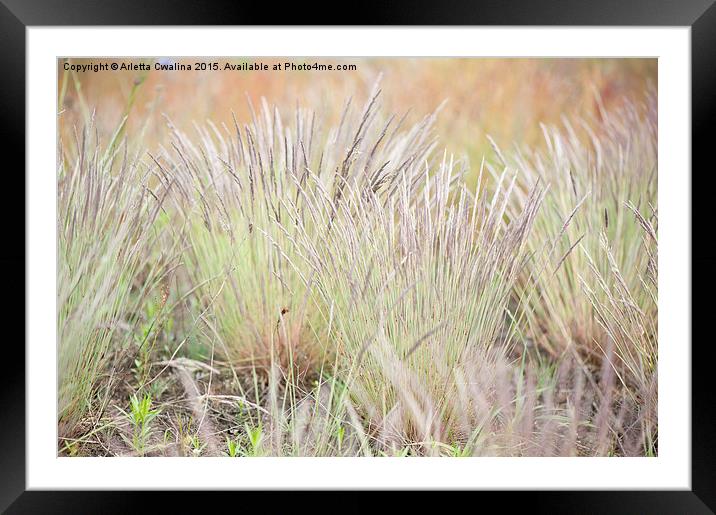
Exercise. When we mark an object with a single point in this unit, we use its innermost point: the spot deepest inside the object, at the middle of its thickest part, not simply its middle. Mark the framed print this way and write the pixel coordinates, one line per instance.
(427, 257)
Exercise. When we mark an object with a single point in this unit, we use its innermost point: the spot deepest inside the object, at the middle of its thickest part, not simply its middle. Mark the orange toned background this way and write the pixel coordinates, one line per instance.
(505, 98)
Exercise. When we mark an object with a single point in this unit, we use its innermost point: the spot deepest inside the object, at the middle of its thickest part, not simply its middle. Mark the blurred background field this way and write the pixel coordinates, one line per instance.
(504, 98)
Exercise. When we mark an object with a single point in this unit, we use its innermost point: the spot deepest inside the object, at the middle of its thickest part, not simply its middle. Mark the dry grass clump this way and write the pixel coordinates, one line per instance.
(601, 187)
(243, 197)
(415, 284)
(350, 295)
(628, 316)
(107, 226)
(592, 285)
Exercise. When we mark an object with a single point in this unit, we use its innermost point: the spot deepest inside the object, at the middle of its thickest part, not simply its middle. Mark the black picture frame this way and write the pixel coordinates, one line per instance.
(699, 15)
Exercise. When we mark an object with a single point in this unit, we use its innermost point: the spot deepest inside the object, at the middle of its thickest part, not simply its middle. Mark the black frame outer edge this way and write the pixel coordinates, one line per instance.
(700, 15)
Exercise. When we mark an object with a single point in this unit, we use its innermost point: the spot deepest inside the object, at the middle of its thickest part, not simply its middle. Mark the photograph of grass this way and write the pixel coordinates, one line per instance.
(389, 258)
